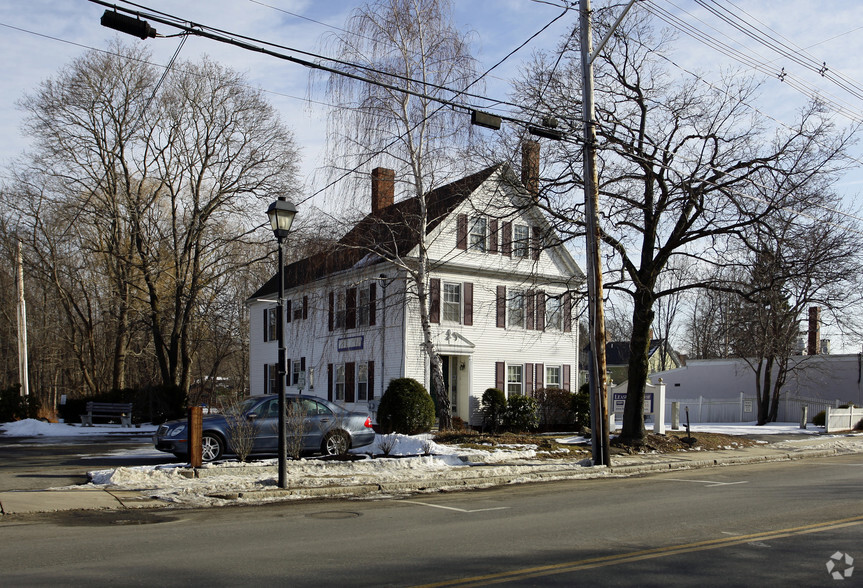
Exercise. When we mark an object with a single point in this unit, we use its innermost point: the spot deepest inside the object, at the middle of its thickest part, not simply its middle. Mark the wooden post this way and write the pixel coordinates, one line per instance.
(196, 415)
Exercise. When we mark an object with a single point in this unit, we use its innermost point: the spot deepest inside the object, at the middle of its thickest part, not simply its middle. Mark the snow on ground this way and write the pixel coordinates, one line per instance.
(399, 458)
(37, 428)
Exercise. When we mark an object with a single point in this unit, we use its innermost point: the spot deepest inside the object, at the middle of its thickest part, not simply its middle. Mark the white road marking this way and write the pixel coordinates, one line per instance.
(454, 508)
(707, 483)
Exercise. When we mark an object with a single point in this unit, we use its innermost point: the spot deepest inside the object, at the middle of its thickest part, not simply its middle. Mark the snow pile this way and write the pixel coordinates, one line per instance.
(398, 459)
(37, 428)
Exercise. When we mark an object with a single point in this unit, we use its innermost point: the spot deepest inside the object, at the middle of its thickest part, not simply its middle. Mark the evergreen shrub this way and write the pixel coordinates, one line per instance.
(522, 414)
(493, 408)
(406, 408)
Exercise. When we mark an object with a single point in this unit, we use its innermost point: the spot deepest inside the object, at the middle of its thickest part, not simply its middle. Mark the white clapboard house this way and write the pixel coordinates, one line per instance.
(501, 299)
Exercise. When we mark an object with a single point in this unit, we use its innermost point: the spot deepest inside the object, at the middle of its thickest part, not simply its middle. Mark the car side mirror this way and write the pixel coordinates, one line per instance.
(251, 416)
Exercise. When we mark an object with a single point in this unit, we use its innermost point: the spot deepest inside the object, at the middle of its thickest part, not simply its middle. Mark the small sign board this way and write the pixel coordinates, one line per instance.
(747, 406)
(350, 343)
(618, 402)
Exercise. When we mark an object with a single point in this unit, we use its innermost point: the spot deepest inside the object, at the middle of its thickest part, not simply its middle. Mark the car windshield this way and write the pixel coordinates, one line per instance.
(248, 404)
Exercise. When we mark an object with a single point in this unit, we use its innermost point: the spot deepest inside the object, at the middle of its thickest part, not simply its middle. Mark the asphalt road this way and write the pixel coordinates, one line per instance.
(33, 464)
(768, 524)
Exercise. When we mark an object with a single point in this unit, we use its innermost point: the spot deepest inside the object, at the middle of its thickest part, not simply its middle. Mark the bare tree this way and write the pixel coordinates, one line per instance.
(410, 44)
(681, 163)
(794, 265)
(139, 201)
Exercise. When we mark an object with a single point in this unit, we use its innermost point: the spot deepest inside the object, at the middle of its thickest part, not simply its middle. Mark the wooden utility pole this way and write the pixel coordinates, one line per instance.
(23, 372)
(596, 311)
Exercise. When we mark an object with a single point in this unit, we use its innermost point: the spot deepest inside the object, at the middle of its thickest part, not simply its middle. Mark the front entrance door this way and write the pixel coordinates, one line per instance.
(449, 366)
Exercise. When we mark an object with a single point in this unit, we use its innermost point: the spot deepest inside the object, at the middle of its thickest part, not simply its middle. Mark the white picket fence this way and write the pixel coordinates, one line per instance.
(744, 409)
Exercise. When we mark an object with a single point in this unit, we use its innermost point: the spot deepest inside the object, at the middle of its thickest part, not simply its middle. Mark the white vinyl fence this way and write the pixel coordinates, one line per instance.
(842, 419)
(744, 409)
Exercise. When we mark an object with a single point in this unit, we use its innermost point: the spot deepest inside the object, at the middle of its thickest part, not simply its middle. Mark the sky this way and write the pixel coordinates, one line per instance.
(38, 37)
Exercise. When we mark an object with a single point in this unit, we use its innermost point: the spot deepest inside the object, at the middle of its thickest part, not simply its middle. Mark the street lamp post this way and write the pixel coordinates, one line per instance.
(281, 214)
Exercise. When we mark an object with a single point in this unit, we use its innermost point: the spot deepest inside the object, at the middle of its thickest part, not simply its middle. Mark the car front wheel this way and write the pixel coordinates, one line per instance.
(212, 447)
(335, 443)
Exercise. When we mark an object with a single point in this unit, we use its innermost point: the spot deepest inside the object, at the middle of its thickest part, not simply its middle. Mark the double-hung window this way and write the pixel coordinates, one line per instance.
(363, 381)
(478, 234)
(521, 241)
(553, 314)
(270, 378)
(341, 310)
(272, 324)
(514, 380)
(363, 307)
(452, 303)
(295, 373)
(552, 376)
(515, 309)
(340, 382)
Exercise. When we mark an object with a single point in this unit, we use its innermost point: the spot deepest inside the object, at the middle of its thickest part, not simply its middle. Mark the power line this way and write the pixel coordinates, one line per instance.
(243, 41)
(756, 62)
(779, 45)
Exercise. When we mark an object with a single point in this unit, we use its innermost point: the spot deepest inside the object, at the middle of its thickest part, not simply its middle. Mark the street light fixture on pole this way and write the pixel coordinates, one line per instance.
(281, 214)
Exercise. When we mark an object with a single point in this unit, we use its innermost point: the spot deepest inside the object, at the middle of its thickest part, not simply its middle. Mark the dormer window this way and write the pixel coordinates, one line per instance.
(478, 234)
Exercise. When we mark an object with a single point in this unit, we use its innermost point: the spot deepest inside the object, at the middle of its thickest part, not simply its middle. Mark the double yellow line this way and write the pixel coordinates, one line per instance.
(596, 562)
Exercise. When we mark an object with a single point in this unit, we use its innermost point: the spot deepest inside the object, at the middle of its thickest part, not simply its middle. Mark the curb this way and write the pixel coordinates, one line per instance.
(23, 502)
(578, 472)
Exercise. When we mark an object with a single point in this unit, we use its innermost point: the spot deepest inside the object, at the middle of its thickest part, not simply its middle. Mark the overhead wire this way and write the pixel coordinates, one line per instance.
(242, 40)
(400, 137)
(756, 62)
(750, 181)
(780, 45)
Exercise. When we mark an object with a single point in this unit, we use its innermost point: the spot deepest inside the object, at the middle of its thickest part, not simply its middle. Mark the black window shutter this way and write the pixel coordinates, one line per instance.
(536, 243)
(540, 310)
(468, 303)
(492, 234)
(305, 307)
(501, 306)
(506, 239)
(567, 312)
(499, 375)
(461, 232)
(288, 309)
(434, 300)
(266, 324)
(350, 382)
(371, 384)
(330, 382)
(332, 305)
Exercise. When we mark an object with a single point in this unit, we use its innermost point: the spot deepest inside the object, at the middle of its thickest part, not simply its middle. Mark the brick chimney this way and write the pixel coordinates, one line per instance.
(814, 347)
(530, 167)
(383, 188)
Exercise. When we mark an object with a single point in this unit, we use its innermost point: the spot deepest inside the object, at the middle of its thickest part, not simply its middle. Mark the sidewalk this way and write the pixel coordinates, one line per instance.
(259, 485)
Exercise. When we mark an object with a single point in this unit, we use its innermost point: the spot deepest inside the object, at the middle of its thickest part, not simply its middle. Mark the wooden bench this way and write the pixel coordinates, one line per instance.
(108, 410)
